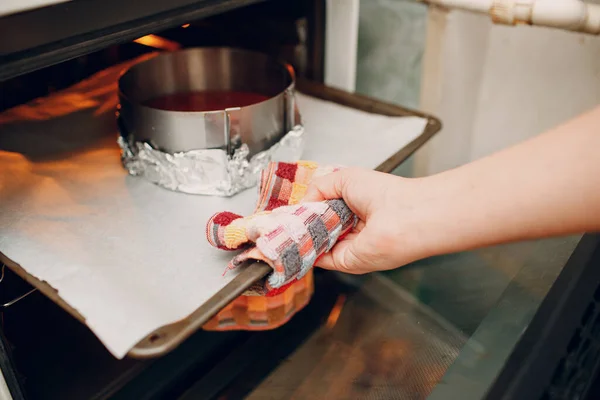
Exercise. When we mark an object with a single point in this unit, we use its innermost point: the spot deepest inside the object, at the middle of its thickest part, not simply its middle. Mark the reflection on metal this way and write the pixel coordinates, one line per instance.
(209, 151)
(16, 299)
(207, 70)
(158, 42)
(185, 26)
(336, 310)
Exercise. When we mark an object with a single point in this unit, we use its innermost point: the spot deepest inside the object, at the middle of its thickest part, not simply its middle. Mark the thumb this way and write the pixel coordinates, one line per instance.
(327, 187)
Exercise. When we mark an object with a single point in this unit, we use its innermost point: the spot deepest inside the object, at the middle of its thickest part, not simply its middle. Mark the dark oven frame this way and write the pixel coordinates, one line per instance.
(78, 27)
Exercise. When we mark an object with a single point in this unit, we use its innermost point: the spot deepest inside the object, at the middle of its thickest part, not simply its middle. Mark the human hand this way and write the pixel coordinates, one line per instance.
(385, 205)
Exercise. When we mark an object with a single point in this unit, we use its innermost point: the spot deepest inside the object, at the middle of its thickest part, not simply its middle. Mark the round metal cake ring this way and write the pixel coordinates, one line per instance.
(204, 120)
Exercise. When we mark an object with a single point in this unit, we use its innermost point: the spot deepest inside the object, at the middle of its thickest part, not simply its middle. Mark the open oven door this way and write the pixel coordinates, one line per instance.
(10, 385)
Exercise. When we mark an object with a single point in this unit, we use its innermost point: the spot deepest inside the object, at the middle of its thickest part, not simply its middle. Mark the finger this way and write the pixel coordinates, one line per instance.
(325, 261)
(348, 236)
(346, 256)
(360, 225)
(327, 187)
(335, 260)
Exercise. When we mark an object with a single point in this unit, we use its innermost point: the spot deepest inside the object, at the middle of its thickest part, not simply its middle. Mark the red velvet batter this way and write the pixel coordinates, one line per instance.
(205, 101)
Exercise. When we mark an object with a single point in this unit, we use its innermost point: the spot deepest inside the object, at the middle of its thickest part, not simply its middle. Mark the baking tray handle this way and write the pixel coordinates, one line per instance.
(166, 338)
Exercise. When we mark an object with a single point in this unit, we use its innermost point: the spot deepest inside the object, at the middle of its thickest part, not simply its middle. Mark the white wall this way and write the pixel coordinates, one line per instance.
(341, 37)
(391, 41)
(493, 86)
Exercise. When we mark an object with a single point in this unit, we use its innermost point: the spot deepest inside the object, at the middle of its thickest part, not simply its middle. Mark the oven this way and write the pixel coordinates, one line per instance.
(47, 349)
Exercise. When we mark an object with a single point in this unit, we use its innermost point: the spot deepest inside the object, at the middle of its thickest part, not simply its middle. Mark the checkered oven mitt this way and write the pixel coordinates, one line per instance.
(283, 233)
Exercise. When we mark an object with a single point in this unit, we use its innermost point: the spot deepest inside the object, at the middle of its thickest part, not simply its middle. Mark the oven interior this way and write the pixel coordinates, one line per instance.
(290, 31)
(52, 355)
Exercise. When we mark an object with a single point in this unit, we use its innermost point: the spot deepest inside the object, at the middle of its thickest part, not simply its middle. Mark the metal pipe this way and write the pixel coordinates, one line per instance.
(571, 15)
(481, 6)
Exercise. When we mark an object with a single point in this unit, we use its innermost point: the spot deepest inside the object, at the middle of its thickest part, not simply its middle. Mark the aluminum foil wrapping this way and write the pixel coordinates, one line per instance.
(207, 171)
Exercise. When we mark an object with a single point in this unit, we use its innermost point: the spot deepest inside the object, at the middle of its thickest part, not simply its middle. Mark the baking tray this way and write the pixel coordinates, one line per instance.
(166, 338)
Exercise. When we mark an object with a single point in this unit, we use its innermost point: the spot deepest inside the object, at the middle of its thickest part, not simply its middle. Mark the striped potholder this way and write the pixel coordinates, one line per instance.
(283, 233)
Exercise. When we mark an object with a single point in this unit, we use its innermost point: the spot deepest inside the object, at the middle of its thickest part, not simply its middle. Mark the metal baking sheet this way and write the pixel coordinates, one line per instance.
(169, 336)
(166, 338)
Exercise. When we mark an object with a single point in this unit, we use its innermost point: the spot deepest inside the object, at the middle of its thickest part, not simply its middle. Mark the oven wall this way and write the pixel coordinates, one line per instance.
(341, 34)
(492, 86)
(391, 42)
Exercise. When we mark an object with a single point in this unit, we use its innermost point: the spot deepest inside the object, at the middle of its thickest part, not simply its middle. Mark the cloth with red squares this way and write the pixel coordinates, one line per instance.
(283, 232)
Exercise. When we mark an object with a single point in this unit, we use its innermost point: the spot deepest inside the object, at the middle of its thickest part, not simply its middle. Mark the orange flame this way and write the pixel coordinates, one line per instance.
(334, 315)
(158, 42)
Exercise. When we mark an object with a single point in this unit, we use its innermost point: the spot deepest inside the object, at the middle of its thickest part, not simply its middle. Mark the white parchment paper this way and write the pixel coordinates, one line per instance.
(128, 255)
(17, 6)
